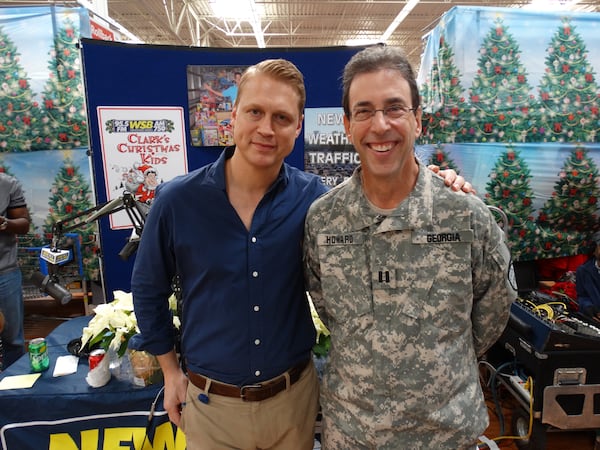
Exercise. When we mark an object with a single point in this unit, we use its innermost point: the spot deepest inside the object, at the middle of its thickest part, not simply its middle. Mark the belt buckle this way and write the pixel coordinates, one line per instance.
(248, 386)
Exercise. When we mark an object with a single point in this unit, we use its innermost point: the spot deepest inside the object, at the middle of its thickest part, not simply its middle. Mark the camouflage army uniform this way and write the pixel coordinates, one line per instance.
(411, 299)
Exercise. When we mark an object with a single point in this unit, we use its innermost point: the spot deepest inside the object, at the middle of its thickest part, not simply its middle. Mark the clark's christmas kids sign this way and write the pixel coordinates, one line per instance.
(141, 148)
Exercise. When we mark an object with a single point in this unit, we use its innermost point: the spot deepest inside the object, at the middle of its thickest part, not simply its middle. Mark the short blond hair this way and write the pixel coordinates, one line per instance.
(281, 70)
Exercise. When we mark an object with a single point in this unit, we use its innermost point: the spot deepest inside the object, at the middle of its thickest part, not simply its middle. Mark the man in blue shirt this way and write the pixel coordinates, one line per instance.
(232, 231)
(588, 283)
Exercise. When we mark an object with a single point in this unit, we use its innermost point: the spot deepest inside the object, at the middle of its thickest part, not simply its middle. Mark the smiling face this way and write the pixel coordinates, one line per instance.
(385, 145)
(266, 121)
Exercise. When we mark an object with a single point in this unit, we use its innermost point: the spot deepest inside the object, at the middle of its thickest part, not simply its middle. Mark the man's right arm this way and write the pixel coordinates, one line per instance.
(175, 385)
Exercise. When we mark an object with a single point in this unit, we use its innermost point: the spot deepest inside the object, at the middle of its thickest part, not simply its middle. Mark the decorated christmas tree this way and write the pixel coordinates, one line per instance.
(568, 90)
(19, 112)
(509, 189)
(63, 99)
(443, 101)
(500, 100)
(70, 195)
(569, 217)
(28, 257)
(440, 158)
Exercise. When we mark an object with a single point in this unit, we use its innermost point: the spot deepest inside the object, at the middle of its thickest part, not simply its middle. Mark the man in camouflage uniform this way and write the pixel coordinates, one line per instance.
(410, 277)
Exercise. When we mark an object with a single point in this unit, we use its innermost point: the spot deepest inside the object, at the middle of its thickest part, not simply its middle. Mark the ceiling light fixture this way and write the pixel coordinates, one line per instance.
(403, 14)
(241, 11)
(553, 5)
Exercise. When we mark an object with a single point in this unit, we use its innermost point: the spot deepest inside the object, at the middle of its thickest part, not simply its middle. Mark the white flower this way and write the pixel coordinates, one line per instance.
(114, 323)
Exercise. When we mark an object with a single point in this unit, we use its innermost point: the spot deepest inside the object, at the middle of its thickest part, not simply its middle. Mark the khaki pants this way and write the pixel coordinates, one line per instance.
(283, 422)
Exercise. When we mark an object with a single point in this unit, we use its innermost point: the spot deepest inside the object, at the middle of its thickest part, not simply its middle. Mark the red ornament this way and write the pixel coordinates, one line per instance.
(526, 201)
(521, 78)
(71, 74)
(23, 83)
(498, 70)
(70, 32)
(488, 127)
(49, 104)
(63, 137)
(439, 157)
(69, 208)
(558, 127)
(565, 68)
(589, 77)
(499, 31)
(510, 156)
(579, 155)
(70, 171)
(66, 189)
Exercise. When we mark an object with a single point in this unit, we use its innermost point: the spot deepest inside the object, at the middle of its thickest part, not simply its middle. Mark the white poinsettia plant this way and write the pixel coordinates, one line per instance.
(321, 347)
(114, 323)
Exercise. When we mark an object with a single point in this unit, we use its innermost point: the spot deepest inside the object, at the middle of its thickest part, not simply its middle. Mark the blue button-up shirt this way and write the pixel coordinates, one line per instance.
(245, 313)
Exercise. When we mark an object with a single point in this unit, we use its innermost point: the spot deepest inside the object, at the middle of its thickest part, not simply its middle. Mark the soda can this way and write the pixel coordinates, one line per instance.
(38, 355)
(95, 357)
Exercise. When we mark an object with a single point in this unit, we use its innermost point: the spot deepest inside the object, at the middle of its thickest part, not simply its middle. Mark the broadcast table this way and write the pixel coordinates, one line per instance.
(65, 413)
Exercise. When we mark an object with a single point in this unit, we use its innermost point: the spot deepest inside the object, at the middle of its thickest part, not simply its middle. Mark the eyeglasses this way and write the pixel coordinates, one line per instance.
(391, 112)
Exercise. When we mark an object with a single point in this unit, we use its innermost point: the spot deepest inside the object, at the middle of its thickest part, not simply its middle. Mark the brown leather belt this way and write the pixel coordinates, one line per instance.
(252, 392)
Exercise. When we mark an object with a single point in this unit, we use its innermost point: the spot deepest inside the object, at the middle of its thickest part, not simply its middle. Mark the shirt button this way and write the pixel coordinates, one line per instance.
(253, 239)
(257, 373)
(256, 308)
(255, 274)
(256, 341)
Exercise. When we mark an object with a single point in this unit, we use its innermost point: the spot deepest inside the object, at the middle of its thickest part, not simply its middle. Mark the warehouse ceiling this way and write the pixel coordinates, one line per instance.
(287, 23)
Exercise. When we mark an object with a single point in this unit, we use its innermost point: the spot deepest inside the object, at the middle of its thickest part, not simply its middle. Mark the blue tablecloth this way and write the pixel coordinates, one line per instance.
(65, 413)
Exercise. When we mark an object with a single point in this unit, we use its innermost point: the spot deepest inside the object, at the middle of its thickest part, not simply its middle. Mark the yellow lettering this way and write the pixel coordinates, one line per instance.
(164, 439)
(123, 438)
(63, 441)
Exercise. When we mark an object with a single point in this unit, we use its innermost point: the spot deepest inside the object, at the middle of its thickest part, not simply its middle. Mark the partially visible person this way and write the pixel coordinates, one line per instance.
(409, 277)
(231, 92)
(232, 232)
(587, 283)
(14, 220)
(2, 320)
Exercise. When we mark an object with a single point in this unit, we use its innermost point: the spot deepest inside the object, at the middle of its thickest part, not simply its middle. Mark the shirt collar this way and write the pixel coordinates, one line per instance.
(415, 209)
(219, 171)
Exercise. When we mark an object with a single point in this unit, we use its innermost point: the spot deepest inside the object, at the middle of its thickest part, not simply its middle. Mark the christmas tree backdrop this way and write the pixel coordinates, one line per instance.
(42, 110)
(510, 97)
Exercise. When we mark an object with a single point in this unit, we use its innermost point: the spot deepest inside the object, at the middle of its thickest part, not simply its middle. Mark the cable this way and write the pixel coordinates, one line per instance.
(151, 414)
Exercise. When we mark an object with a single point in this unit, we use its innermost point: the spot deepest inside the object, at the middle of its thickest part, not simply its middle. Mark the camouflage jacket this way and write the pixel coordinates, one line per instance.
(411, 299)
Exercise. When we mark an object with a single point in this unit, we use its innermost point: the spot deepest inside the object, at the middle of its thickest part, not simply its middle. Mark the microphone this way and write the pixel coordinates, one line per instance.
(48, 286)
